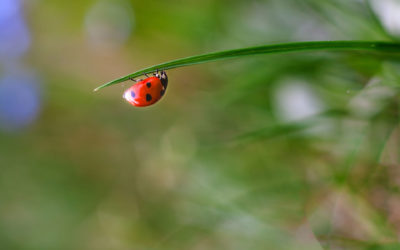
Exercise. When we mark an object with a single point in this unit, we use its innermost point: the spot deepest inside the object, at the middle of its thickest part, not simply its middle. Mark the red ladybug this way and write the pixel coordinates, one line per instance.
(148, 91)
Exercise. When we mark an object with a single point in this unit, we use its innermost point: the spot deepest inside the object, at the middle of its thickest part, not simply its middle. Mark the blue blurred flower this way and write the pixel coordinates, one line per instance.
(19, 101)
(14, 34)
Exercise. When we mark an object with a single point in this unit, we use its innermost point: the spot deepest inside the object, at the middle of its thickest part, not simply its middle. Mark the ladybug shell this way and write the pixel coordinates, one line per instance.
(145, 92)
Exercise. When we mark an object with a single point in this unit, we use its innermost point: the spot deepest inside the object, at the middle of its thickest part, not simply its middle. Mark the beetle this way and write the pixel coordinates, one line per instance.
(148, 91)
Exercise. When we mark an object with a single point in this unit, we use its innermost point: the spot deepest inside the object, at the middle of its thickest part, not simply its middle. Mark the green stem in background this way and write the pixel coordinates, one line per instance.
(375, 18)
(388, 47)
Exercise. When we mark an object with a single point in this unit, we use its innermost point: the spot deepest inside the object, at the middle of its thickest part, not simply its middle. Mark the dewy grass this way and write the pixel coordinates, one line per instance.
(388, 47)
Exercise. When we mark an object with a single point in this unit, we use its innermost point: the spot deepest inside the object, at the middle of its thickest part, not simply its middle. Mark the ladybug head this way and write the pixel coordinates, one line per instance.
(163, 77)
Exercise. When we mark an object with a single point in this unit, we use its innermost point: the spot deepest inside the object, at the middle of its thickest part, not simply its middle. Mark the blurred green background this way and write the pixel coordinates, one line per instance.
(293, 151)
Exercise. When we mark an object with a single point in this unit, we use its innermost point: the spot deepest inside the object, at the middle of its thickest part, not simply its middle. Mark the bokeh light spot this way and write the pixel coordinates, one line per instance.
(389, 12)
(295, 100)
(109, 24)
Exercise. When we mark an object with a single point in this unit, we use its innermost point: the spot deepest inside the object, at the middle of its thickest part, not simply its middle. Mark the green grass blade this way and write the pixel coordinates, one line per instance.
(388, 47)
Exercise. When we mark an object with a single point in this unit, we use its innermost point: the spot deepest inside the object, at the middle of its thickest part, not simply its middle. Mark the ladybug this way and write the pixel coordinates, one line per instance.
(148, 91)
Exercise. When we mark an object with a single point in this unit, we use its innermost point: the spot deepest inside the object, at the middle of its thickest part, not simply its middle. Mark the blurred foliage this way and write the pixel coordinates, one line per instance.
(279, 152)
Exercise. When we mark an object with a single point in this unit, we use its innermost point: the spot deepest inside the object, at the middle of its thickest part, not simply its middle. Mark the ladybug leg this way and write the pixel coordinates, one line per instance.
(146, 75)
(138, 80)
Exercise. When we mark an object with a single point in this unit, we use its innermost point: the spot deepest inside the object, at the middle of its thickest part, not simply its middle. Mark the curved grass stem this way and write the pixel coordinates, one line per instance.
(385, 47)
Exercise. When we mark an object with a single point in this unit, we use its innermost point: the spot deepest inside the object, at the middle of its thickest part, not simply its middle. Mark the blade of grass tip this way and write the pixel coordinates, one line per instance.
(264, 49)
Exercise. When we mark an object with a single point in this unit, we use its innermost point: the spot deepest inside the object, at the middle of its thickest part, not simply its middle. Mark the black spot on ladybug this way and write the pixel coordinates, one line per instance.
(162, 92)
(148, 97)
(148, 84)
(133, 94)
